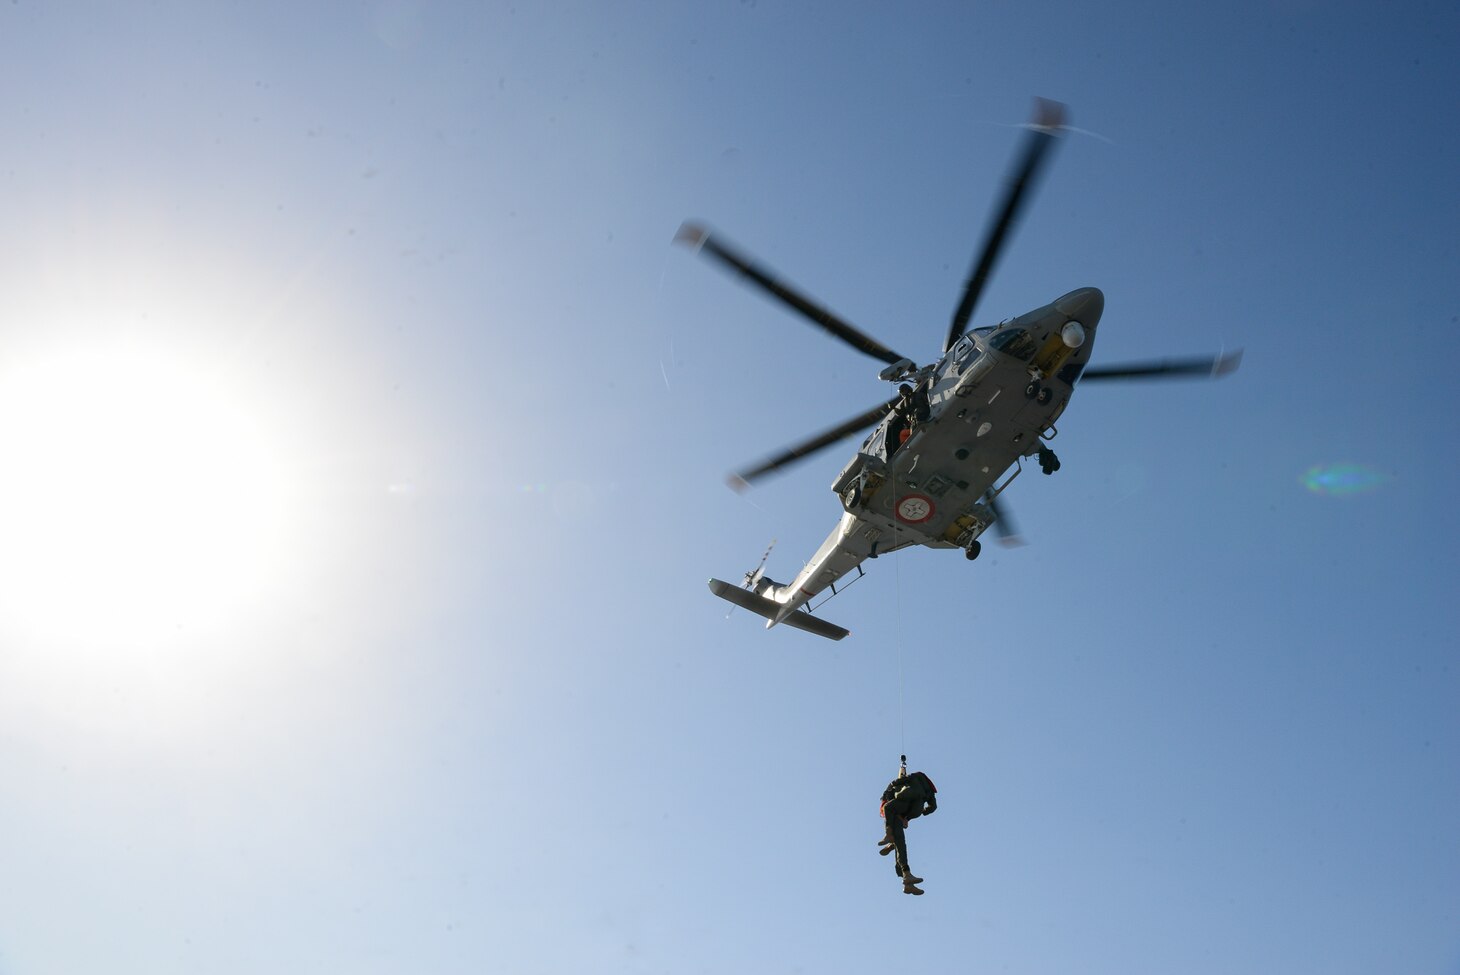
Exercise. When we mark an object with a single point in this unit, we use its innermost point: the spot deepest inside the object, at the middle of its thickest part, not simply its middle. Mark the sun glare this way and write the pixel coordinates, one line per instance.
(141, 502)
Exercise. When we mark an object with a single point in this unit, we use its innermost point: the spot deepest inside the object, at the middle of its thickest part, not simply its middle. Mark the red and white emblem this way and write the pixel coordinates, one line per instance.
(915, 509)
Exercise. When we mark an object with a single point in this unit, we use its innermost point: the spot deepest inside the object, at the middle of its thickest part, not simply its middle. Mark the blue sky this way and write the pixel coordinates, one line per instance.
(472, 708)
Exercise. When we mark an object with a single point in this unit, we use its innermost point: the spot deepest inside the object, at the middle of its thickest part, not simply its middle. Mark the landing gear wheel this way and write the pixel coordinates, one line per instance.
(1048, 462)
(1032, 390)
(974, 547)
(1045, 395)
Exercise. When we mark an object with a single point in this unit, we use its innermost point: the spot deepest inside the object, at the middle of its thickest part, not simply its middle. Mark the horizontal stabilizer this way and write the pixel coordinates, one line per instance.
(769, 608)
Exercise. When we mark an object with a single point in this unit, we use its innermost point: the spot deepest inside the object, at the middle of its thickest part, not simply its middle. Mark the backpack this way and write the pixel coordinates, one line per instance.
(915, 785)
(921, 787)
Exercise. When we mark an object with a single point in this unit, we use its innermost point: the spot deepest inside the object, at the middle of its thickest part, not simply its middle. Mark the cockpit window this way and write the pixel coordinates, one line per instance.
(965, 353)
(1015, 342)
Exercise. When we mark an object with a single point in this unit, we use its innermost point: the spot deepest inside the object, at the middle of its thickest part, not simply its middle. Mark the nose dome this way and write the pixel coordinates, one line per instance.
(1083, 305)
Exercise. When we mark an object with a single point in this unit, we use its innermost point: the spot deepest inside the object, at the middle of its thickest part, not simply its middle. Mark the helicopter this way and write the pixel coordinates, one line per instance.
(945, 448)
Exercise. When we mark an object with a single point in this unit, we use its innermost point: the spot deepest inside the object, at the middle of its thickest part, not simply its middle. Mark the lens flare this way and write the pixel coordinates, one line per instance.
(1343, 480)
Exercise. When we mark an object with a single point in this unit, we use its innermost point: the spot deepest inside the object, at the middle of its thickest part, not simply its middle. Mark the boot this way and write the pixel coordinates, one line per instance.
(906, 875)
(908, 888)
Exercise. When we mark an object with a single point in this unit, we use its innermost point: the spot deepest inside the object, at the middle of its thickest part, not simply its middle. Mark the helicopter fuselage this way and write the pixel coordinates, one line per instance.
(929, 471)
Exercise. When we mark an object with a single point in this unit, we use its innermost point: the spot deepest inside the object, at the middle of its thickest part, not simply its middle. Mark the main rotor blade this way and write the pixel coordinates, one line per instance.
(1049, 119)
(742, 479)
(693, 235)
(1202, 368)
(1004, 525)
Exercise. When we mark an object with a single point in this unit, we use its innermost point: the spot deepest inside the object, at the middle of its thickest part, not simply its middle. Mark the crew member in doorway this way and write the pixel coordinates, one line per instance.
(899, 428)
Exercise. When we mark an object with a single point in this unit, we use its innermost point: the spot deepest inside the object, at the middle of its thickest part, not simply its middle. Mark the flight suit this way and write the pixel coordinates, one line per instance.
(905, 799)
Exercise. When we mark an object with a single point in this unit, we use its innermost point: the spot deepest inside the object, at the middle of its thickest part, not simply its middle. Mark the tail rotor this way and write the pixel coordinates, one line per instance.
(753, 577)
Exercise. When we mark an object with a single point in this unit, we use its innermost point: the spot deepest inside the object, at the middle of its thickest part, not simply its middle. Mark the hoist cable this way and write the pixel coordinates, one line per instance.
(897, 630)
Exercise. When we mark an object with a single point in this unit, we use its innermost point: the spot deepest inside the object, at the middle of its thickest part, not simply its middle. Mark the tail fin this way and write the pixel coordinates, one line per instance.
(770, 609)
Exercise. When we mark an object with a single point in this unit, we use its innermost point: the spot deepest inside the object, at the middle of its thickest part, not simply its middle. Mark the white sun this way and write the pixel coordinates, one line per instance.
(141, 502)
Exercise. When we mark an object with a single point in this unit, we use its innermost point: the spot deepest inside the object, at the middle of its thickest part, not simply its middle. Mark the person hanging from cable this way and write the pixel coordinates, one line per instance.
(906, 798)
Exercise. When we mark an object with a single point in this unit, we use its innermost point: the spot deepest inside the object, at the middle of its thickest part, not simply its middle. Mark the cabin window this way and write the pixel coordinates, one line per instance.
(1015, 342)
(965, 354)
(1070, 374)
